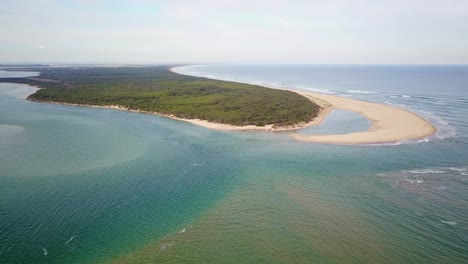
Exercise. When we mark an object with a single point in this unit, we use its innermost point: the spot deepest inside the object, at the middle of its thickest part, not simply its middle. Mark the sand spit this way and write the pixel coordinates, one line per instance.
(389, 124)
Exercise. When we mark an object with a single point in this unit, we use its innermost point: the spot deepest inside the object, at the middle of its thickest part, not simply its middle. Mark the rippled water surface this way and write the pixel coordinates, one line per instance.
(86, 185)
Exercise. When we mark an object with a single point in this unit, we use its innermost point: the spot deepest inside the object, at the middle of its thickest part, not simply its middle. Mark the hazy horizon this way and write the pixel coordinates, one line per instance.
(181, 64)
(247, 32)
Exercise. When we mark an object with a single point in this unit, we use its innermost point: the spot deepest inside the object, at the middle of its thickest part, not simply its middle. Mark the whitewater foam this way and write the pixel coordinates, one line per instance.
(425, 171)
(70, 240)
(449, 222)
(444, 129)
(424, 140)
(199, 164)
(361, 92)
(317, 90)
(384, 144)
(456, 169)
(433, 170)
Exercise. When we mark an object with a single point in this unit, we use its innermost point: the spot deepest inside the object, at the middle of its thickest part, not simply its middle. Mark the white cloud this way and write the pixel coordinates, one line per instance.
(41, 46)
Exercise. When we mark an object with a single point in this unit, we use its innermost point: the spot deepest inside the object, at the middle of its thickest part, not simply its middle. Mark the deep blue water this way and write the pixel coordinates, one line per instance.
(87, 185)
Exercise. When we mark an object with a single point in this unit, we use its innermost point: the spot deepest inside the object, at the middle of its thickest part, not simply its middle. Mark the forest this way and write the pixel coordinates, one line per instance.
(157, 89)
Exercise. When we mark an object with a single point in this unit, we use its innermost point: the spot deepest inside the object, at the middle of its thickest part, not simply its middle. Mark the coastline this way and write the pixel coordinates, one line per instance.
(388, 123)
(204, 123)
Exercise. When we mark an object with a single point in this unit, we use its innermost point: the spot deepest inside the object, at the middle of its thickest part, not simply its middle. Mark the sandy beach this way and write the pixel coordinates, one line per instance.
(389, 124)
(204, 123)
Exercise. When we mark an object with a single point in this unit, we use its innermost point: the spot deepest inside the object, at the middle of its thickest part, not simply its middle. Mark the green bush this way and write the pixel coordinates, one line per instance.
(157, 89)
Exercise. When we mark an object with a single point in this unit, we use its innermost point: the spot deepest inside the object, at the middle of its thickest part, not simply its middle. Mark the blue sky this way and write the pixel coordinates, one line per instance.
(228, 31)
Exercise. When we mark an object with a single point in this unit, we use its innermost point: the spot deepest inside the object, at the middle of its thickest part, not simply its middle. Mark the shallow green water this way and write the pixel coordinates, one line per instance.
(85, 185)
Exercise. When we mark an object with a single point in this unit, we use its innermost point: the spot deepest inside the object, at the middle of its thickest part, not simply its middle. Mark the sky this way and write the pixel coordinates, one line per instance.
(235, 31)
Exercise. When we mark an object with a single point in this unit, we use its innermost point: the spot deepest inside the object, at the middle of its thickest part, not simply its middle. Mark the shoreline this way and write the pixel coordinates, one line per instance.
(314, 117)
(204, 123)
(388, 123)
(323, 112)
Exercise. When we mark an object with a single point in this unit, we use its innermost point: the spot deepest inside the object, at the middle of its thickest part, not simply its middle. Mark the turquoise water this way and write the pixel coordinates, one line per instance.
(339, 122)
(88, 185)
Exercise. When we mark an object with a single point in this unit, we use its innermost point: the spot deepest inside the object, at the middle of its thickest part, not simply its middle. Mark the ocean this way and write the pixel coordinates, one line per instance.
(90, 185)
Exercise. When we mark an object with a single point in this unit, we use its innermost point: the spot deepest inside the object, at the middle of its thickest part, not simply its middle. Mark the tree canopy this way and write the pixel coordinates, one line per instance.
(157, 89)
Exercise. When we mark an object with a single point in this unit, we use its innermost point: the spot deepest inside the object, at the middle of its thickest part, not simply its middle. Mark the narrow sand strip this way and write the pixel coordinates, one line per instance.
(389, 124)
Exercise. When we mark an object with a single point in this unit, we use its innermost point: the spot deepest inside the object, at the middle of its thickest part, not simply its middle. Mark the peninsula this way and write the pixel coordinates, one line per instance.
(157, 90)
(217, 104)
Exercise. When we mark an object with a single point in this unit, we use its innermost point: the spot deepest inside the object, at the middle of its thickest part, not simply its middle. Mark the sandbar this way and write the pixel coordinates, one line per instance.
(388, 123)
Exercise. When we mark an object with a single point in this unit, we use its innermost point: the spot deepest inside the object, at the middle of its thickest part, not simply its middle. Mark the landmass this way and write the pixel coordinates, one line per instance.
(218, 104)
(157, 90)
(22, 65)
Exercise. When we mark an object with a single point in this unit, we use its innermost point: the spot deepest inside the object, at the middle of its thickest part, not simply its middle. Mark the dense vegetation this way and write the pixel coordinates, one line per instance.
(157, 89)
